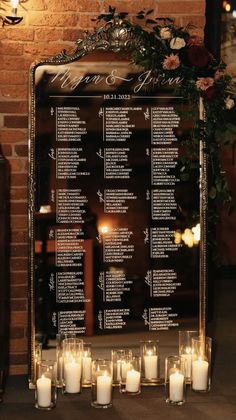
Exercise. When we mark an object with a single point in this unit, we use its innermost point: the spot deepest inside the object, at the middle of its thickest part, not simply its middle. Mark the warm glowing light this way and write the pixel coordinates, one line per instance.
(14, 4)
(46, 208)
(177, 237)
(190, 237)
(196, 233)
(228, 7)
(187, 238)
(104, 229)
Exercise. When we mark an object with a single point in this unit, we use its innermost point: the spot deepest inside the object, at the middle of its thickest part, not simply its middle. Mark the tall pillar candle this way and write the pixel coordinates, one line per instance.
(176, 384)
(87, 365)
(72, 376)
(200, 375)
(150, 366)
(187, 356)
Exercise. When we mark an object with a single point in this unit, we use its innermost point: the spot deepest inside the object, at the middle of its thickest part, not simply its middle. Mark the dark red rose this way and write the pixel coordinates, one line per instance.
(198, 56)
(209, 93)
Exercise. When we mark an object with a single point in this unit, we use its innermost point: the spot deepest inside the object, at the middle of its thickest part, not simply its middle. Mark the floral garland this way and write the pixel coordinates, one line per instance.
(176, 52)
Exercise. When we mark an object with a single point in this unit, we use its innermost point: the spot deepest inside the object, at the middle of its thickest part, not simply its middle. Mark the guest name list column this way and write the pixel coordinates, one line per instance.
(147, 159)
(70, 204)
(163, 278)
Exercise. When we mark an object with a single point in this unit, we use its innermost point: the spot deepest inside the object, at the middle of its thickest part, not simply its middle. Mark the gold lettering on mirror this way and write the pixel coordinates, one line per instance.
(114, 232)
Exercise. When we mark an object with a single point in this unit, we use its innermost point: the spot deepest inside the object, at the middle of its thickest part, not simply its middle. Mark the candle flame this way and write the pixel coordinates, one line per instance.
(14, 4)
(104, 229)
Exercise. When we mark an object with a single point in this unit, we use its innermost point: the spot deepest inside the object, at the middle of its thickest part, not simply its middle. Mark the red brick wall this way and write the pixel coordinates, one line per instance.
(48, 27)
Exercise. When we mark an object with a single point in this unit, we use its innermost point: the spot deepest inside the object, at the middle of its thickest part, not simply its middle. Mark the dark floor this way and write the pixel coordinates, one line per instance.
(218, 404)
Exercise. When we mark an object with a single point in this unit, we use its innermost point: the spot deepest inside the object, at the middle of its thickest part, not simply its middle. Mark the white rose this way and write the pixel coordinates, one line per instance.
(177, 43)
(229, 103)
(165, 33)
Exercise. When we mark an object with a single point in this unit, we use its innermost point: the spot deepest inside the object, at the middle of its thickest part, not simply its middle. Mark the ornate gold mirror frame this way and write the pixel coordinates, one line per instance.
(116, 40)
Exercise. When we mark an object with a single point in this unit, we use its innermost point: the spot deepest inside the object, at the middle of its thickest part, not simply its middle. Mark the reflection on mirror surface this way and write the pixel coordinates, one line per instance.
(115, 228)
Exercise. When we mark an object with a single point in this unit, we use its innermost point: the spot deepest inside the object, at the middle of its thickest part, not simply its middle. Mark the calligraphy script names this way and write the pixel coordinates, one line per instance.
(69, 80)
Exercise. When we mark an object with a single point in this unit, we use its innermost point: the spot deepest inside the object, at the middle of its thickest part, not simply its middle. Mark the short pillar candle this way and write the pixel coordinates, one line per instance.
(201, 364)
(45, 390)
(175, 380)
(149, 362)
(101, 383)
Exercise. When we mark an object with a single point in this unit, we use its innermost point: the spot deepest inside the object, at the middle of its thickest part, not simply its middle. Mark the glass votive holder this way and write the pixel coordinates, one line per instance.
(201, 364)
(37, 359)
(59, 355)
(46, 391)
(72, 365)
(149, 362)
(133, 376)
(87, 366)
(101, 383)
(123, 368)
(120, 359)
(175, 380)
(185, 351)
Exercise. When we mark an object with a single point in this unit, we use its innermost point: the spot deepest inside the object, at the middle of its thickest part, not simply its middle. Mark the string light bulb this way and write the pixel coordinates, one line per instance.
(14, 5)
(11, 19)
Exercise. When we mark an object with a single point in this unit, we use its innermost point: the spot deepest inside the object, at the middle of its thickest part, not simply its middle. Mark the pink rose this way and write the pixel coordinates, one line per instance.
(171, 62)
(177, 43)
(165, 33)
(203, 83)
(229, 103)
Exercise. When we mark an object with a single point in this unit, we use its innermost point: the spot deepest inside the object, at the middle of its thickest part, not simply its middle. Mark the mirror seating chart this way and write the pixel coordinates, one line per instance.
(110, 203)
(114, 228)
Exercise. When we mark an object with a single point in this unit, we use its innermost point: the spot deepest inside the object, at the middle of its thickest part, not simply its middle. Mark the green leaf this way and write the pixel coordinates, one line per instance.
(112, 9)
(122, 15)
(151, 21)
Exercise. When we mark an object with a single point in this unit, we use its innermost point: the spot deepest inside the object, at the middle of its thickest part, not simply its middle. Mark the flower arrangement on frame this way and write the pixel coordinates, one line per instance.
(176, 52)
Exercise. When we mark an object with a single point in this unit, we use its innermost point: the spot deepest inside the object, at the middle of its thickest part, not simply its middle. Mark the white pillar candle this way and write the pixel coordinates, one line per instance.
(187, 355)
(60, 368)
(150, 366)
(72, 376)
(132, 381)
(87, 365)
(104, 388)
(200, 375)
(118, 370)
(44, 391)
(124, 367)
(176, 387)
